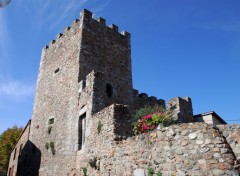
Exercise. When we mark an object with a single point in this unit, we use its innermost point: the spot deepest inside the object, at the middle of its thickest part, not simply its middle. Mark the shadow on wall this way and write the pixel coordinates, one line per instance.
(29, 160)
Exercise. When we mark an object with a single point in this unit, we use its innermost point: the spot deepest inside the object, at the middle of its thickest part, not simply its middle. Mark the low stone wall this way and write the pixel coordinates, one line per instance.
(232, 135)
(186, 149)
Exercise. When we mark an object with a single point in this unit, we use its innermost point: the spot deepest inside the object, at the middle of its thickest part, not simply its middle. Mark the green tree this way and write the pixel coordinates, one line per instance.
(8, 140)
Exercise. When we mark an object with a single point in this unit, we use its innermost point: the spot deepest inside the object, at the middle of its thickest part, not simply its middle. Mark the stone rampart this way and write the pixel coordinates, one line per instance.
(141, 100)
(232, 135)
(185, 149)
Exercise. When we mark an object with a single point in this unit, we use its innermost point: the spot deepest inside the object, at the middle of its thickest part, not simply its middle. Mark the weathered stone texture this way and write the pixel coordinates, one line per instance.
(17, 151)
(187, 149)
(182, 107)
(231, 134)
(142, 100)
(105, 49)
(57, 100)
(68, 87)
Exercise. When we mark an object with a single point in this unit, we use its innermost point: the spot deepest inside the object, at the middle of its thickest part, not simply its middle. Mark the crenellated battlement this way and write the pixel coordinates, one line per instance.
(102, 21)
(142, 99)
(59, 35)
(87, 17)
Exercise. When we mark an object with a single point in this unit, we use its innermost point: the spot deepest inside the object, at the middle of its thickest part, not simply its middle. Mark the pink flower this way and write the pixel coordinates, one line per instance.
(154, 126)
(145, 126)
(147, 116)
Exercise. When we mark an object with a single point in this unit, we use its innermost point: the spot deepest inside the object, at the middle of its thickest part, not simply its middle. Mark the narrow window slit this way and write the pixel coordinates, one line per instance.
(81, 131)
(57, 70)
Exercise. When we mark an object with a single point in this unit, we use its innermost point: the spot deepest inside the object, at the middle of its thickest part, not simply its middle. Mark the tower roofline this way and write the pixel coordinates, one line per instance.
(89, 16)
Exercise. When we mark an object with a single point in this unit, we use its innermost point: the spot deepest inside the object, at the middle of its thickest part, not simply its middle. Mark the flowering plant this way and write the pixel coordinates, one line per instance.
(147, 119)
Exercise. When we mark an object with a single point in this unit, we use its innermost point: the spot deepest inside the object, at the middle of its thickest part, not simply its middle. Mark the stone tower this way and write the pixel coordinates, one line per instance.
(182, 107)
(84, 70)
(83, 105)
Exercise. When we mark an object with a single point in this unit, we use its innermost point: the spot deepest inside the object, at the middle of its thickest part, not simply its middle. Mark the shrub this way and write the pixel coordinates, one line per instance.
(85, 171)
(49, 129)
(99, 127)
(150, 171)
(148, 118)
(93, 162)
(47, 145)
(52, 148)
(159, 173)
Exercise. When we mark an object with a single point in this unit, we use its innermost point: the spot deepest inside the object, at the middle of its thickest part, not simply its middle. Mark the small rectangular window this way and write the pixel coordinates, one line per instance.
(15, 152)
(57, 70)
(81, 131)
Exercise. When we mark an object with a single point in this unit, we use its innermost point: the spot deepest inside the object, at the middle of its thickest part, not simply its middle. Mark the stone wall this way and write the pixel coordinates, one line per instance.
(17, 152)
(67, 87)
(142, 100)
(104, 49)
(182, 108)
(231, 134)
(186, 149)
(55, 112)
(108, 125)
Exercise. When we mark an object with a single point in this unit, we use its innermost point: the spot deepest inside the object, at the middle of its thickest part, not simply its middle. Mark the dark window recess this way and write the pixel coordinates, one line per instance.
(81, 131)
(15, 152)
(20, 150)
(83, 84)
(51, 121)
(57, 70)
(109, 90)
(10, 171)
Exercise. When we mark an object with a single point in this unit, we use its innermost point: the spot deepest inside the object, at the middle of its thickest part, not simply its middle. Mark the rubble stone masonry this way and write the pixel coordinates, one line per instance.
(186, 149)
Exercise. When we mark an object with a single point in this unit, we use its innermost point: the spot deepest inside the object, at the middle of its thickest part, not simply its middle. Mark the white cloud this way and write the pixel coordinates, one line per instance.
(101, 7)
(64, 10)
(4, 41)
(16, 89)
(49, 14)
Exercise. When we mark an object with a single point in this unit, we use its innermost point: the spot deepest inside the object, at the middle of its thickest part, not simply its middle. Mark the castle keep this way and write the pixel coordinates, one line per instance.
(82, 114)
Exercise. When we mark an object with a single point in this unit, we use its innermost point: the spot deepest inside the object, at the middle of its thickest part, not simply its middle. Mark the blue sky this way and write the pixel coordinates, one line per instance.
(179, 48)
